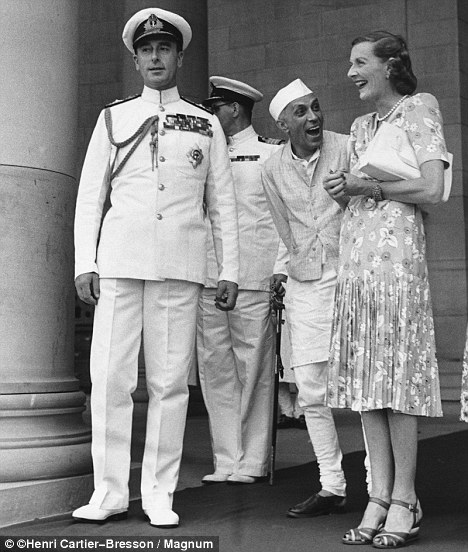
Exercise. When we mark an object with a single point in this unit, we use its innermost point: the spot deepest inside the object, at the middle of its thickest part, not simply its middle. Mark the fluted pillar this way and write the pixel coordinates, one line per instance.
(42, 434)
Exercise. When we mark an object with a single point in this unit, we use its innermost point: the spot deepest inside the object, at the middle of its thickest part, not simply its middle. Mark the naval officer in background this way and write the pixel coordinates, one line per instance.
(144, 265)
(236, 348)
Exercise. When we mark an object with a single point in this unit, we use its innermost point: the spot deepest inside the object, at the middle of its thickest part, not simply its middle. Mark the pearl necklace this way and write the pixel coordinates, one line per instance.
(380, 119)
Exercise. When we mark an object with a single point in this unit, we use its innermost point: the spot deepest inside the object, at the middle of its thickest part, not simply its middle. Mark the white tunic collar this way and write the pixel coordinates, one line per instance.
(241, 136)
(305, 162)
(160, 97)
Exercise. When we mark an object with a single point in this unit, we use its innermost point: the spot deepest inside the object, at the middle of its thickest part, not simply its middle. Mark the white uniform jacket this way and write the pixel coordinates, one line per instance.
(258, 237)
(155, 227)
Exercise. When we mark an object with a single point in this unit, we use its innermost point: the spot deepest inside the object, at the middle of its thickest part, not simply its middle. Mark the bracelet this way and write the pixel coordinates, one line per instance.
(377, 193)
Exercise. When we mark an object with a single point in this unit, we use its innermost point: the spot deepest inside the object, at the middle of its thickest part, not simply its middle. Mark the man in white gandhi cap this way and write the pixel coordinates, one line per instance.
(308, 222)
(142, 263)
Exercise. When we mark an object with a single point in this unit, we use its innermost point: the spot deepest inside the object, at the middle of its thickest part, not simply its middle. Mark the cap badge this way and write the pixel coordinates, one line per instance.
(195, 156)
(153, 23)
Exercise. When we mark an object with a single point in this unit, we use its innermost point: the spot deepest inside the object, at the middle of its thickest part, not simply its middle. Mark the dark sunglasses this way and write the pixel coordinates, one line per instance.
(216, 107)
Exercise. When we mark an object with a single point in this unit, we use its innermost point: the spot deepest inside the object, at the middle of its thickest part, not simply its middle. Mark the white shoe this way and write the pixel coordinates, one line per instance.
(238, 479)
(93, 514)
(216, 477)
(162, 517)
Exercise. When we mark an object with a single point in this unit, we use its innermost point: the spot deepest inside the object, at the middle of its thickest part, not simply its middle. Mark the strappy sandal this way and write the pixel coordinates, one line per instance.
(397, 539)
(364, 535)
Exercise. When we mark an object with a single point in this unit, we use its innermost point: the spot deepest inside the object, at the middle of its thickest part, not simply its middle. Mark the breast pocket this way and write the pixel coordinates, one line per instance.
(193, 154)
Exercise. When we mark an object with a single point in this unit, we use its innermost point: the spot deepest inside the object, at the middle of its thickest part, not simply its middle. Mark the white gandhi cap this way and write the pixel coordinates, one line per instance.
(295, 89)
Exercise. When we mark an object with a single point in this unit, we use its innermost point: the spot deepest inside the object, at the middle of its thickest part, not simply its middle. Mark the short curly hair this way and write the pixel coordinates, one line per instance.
(392, 48)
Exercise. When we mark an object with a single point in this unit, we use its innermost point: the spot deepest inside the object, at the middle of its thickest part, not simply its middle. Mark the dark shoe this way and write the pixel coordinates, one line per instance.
(318, 505)
(300, 422)
(385, 539)
(365, 535)
(285, 422)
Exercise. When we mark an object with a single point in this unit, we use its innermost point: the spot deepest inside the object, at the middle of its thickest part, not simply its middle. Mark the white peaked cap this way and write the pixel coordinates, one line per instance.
(157, 22)
(236, 86)
(295, 89)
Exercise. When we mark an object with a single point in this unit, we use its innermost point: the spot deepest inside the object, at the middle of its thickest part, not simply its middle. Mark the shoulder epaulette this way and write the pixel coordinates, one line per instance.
(274, 141)
(117, 102)
(196, 105)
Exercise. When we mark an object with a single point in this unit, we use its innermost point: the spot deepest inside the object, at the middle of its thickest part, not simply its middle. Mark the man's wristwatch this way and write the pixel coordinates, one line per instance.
(377, 193)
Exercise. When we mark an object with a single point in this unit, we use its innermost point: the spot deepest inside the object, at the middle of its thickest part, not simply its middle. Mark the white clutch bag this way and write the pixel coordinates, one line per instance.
(390, 156)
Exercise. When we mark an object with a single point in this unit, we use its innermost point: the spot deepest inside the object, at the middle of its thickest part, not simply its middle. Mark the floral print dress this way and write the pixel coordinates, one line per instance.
(383, 347)
(464, 387)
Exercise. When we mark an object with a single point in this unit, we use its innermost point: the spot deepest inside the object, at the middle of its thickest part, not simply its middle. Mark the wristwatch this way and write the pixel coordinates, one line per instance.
(377, 193)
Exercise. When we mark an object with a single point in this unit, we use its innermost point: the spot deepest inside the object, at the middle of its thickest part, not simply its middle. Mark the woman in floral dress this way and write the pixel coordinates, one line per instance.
(464, 389)
(382, 359)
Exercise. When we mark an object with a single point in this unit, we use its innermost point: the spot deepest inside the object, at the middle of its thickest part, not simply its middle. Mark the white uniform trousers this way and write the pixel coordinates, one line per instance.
(309, 310)
(166, 311)
(236, 367)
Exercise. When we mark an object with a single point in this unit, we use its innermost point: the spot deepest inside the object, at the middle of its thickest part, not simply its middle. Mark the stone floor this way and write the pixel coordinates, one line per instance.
(293, 449)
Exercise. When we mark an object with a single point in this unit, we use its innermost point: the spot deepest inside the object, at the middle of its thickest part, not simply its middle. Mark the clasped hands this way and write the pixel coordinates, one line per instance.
(340, 184)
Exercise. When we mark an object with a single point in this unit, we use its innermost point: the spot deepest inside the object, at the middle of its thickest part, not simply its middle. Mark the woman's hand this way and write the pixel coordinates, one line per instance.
(355, 186)
(341, 184)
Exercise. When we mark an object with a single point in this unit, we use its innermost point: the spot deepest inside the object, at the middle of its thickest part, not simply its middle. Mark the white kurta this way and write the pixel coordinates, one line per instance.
(150, 255)
(309, 222)
(236, 349)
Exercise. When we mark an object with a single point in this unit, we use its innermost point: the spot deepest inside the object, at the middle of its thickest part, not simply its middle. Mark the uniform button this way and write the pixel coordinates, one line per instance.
(161, 186)
(231, 149)
(161, 108)
(159, 216)
(162, 158)
(162, 132)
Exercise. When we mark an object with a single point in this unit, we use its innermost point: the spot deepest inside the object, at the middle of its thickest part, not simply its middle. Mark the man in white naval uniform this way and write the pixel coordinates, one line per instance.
(145, 265)
(236, 348)
(309, 222)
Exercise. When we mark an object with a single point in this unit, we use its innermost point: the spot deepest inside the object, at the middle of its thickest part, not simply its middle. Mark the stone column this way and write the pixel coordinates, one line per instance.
(42, 434)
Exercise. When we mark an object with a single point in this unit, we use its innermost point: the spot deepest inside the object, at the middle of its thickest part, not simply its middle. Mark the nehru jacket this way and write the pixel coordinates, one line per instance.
(258, 237)
(155, 228)
(307, 219)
